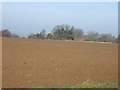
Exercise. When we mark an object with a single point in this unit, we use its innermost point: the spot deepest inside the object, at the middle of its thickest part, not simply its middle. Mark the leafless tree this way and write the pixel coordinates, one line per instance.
(106, 38)
(78, 33)
(92, 36)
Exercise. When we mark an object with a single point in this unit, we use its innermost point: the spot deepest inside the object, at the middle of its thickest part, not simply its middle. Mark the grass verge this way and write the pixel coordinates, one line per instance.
(89, 84)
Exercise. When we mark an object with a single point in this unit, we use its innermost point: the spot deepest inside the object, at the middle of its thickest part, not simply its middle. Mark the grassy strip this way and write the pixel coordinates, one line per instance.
(89, 84)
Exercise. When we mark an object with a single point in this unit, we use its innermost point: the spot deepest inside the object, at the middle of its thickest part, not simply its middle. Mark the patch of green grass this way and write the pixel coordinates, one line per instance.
(89, 84)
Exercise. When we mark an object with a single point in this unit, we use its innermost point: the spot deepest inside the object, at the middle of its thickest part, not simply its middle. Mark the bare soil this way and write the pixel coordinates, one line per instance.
(30, 63)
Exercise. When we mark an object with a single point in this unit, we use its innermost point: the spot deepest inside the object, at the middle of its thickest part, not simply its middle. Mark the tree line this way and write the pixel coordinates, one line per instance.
(67, 32)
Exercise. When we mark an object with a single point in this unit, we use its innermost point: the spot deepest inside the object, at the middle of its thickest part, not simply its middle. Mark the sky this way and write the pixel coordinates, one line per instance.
(24, 18)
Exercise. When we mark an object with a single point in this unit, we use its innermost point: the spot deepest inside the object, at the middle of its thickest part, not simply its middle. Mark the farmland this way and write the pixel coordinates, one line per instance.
(54, 63)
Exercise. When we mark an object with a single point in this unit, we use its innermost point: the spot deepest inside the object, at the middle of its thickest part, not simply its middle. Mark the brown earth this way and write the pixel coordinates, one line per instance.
(30, 63)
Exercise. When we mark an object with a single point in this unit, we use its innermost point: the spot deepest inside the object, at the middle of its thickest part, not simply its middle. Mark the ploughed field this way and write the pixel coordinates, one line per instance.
(53, 63)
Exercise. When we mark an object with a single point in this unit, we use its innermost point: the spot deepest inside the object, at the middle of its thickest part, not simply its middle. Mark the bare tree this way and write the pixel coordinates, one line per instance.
(78, 33)
(92, 36)
(106, 38)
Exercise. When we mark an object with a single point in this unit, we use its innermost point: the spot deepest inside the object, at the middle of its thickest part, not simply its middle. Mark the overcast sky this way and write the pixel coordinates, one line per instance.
(24, 18)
